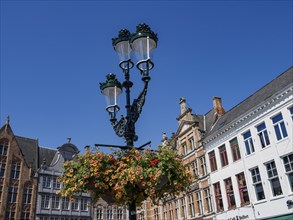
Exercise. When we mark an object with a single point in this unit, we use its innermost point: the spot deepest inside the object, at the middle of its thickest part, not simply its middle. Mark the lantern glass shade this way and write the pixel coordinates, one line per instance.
(112, 94)
(124, 50)
(143, 47)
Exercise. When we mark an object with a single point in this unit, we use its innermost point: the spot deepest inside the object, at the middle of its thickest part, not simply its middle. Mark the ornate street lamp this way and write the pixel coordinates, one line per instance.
(142, 43)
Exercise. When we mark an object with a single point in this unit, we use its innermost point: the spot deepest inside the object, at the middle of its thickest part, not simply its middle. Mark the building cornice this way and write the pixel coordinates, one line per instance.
(247, 116)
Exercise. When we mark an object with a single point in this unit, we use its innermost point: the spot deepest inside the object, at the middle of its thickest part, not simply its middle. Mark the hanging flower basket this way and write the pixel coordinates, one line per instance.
(126, 176)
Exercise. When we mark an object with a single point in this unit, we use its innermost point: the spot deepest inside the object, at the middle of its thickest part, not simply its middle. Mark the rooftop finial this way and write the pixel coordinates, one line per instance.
(7, 120)
(69, 139)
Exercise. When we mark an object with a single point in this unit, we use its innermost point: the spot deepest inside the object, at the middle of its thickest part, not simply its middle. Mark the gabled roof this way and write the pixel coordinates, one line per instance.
(29, 148)
(47, 154)
(264, 93)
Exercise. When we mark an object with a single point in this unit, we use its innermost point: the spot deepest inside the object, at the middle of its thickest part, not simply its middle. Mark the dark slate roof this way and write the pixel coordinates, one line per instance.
(33, 154)
(29, 148)
(264, 93)
(46, 153)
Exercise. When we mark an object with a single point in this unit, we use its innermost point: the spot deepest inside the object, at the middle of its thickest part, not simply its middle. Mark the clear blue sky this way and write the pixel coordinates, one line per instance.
(55, 53)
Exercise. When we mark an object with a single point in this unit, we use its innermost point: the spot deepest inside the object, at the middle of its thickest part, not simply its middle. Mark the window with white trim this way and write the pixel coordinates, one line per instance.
(55, 202)
(213, 162)
(2, 167)
(257, 183)
(177, 209)
(65, 203)
(230, 193)
(119, 213)
(3, 147)
(191, 205)
(15, 170)
(249, 147)
(191, 143)
(83, 204)
(242, 188)
(223, 155)
(203, 166)
(235, 149)
(195, 168)
(288, 164)
(279, 126)
(56, 184)
(184, 146)
(46, 181)
(27, 194)
(74, 204)
(183, 206)
(156, 213)
(99, 212)
(199, 203)
(263, 135)
(109, 212)
(25, 214)
(218, 197)
(165, 211)
(274, 178)
(171, 211)
(208, 200)
(12, 194)
(10, 214)
(45, 201)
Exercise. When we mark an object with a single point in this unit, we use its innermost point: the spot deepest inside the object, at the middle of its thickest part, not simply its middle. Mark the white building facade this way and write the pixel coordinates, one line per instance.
(249, 155)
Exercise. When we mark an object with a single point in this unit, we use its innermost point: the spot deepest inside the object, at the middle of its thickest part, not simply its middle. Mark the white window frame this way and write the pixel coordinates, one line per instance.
(248, 143)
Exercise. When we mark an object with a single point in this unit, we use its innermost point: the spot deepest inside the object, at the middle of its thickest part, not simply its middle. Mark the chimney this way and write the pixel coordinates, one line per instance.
(182, 103)
(218, 107)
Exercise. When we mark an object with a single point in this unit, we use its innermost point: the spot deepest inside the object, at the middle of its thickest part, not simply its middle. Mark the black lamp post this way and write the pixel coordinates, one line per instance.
(142, 43)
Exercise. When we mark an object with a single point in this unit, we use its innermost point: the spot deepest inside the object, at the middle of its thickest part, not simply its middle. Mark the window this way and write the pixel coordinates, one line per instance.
(199, 203)
(249, 147)
(218, 197)
(119, 213)
(83, 204)
(10, 214)
(242, 187)
(256, 180)
(183, 206)
(2, 167)
(165, 211)
(208, 200)
(74, 204)
(195, 168)
(177, 211)
(288, 164)
(109, 213)
(55, 202)
(27, 195)
(213, 161)
(54, 218)
(291, 111)
(15, 170)
(25, 214)
(279, 126)
(56, 184)
(263, 135)
(191, 205)
(235, 149)
(46, 181)
(230, 193)
(3, 147)
(99, 212)
(184, 146)
(43, 218)
(171, 211)
(191, 143)
(273, 178)
(65, 203)
(12, 194)
(156, 213)
(45, 202)
(203, 165)
(223, 155)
